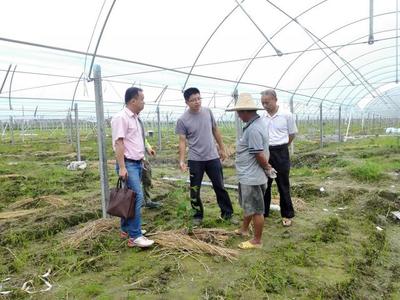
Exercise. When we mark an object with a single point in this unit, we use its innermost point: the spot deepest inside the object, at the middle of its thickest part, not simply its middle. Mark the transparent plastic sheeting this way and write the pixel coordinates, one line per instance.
(310, 51)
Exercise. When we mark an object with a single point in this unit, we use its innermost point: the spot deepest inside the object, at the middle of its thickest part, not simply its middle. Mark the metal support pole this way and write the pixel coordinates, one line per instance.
(237, 121)
(158, 128)
(371, 22)
(292, 111)
(12, 130)
(70, 125)
(101, 137)
(78, 142)
(340, 124)
(321, 127)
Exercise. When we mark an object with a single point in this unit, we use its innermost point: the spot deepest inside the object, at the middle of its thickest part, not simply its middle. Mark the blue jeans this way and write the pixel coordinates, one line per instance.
(134, 226)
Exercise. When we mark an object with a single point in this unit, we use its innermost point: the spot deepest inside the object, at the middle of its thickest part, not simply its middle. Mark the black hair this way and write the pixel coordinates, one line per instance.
(132, 92)
(189, 92)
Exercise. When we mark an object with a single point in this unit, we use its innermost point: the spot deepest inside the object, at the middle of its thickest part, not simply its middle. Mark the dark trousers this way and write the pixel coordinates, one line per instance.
(280, 161)
(213, 169)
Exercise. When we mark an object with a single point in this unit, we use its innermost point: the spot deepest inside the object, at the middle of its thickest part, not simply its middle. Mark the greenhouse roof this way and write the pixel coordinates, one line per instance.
(330, 53)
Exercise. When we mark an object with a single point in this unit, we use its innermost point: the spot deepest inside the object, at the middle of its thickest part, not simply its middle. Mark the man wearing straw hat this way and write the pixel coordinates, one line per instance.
(197, 126)
(251, 168)
(282, 130)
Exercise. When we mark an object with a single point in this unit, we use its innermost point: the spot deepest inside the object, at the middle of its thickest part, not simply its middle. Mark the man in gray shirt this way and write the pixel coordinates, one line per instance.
(197, 126)
(251, 167)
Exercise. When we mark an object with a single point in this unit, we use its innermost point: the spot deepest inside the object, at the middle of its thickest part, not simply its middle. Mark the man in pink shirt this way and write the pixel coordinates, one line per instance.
(129, 147)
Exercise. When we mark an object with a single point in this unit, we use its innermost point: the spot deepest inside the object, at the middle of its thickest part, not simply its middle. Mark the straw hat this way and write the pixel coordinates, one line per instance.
(245, 102)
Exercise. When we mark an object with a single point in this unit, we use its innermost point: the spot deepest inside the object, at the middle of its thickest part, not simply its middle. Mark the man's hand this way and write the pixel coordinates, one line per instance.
(123, 173)
(183, 166)
(151, 151)
(222, 154)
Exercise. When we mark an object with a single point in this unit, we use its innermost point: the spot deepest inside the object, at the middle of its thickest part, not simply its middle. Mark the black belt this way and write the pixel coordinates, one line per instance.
(132, 160)
(277, 147)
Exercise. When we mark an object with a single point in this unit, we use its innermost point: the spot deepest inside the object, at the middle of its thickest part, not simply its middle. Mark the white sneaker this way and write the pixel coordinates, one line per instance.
(142, 242)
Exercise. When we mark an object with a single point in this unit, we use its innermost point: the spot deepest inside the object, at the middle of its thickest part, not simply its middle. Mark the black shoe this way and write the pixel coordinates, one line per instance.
(151, 204)
(197, 221)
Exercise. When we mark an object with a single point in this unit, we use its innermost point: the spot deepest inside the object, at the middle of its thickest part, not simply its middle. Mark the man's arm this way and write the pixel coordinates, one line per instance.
(262, 160)
(291, 138)
(221, 146)
(149, 149)
(182, 150)
(119, 154)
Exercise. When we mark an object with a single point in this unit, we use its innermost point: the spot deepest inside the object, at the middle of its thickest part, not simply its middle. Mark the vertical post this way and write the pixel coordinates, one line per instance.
(101, 136)
(70, 125)
(292, 110)
(237, 121)
(23, 124)
(321, 127)
(158, 128)
(340, 124)
(78, 142)
(12, 130)
(362, 123)
(371, 22)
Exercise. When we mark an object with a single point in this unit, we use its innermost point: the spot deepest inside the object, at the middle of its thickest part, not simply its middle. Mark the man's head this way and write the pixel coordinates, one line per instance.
(269, 100)
(134, 99)
(193, 99)
(246, 115)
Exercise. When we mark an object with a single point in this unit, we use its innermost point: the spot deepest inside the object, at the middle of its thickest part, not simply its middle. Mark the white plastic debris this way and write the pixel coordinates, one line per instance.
(1, 287)
(321, 189)
(325, 209)
(45, 275)
(342, 208)
(379, 228)
(75, 165)
(396, 214)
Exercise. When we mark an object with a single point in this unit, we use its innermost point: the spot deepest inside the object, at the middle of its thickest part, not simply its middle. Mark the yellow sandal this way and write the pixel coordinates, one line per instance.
(249, 245)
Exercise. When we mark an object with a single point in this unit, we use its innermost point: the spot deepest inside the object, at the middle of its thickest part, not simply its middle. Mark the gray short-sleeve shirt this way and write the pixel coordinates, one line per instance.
(198, 129)
(254, 140)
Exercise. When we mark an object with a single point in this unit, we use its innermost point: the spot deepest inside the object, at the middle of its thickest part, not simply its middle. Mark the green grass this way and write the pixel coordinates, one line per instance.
(328, 253)
(366, 172)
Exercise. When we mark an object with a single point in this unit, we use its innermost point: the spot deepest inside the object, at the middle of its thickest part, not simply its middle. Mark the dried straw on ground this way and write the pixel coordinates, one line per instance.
(90, 231)
(201, 241)
(181, 242)
(298, 203)
(17, 213)
(32, 202)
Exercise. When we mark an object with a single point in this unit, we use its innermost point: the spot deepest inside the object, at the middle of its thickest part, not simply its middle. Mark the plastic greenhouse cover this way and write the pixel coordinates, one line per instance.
(311, 52)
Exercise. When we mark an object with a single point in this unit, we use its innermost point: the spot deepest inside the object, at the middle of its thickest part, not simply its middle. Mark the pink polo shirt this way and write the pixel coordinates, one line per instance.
(126, 125)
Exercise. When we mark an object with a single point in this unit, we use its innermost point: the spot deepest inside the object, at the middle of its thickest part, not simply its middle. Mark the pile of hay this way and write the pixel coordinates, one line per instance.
(90, 231)
(201, 241)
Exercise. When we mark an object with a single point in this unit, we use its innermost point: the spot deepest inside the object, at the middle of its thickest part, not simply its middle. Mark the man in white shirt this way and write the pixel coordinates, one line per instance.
(282, 130)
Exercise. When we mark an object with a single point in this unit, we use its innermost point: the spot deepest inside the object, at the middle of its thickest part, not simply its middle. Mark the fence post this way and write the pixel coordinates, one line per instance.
(12, 130)
(237, 121)
(158, 128)
(101, 136)
(340, 124)
(78, 142)
(321, 127)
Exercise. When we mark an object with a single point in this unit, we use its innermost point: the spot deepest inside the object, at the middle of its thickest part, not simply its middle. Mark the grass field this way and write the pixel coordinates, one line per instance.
(333, 250)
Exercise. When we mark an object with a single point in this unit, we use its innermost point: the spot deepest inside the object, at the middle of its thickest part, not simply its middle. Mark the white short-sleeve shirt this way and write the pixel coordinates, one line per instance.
(280, 126)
